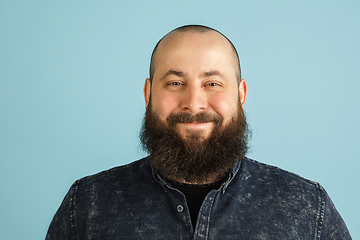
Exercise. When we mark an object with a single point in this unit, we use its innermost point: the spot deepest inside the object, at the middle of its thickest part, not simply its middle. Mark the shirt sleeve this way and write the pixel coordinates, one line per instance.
(332, 225)
(62, 225)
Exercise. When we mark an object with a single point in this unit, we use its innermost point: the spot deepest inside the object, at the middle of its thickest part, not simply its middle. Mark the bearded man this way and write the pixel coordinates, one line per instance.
(196, 182)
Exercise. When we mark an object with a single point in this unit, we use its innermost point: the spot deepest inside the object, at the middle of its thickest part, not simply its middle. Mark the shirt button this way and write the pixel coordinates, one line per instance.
(180, 208)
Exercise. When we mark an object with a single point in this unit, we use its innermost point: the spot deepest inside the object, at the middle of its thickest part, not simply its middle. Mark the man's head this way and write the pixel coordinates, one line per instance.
(199, 29)
(194, 96)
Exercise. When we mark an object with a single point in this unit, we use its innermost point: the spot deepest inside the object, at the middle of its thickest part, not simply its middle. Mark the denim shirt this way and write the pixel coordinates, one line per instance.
(257, 201)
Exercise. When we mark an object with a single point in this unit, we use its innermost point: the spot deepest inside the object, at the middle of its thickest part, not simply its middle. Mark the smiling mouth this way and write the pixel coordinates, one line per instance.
(195, 120)
(196, 123)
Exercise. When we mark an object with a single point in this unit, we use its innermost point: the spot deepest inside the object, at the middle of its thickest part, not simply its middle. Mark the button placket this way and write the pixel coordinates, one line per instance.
(201, 231)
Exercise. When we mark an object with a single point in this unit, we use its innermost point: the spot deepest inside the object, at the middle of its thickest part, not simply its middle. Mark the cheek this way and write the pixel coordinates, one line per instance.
(164, 105)
(226, 106)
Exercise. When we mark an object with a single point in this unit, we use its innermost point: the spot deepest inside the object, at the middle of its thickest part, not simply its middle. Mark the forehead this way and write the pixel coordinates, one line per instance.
(208, 48)
(193, 37)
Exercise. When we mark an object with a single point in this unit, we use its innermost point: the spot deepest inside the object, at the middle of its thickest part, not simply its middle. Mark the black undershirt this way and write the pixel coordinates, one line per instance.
(195, 195)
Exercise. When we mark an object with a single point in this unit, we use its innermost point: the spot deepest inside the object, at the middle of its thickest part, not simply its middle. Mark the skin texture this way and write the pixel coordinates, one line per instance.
(195, 72)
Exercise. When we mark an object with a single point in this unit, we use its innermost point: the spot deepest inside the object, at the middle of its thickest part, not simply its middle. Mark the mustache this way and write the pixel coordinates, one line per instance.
(202, 117)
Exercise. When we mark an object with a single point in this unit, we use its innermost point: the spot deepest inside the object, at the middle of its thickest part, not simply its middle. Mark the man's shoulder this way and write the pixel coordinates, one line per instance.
(133, 172)
(274, 176)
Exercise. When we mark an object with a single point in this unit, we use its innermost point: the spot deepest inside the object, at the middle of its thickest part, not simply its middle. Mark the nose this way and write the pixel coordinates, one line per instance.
(194, 100)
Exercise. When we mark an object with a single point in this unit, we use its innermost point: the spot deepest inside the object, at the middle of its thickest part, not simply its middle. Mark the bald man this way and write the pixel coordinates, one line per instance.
(196, 182)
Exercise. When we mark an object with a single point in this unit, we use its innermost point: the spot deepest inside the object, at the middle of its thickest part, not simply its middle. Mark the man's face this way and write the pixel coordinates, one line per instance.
(195, 73)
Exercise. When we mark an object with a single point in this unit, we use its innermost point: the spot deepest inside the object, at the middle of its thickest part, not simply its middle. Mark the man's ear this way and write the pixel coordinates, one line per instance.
(147, 91)
(242, 92)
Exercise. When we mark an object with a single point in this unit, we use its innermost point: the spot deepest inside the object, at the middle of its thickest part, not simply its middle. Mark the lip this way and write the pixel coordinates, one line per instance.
(196, 124)
(202, 128)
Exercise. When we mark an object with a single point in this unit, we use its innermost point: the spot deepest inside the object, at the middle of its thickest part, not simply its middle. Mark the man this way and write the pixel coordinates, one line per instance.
(197, 182)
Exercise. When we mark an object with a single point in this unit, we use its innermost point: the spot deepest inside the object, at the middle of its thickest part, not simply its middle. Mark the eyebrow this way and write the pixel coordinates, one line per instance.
(173, 72)
(212, 73)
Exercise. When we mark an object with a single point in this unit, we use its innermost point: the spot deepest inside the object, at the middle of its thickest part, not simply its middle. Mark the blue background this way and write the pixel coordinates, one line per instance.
(71, 101)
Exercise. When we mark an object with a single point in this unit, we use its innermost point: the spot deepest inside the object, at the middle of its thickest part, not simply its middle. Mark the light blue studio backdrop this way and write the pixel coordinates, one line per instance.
(71, 102)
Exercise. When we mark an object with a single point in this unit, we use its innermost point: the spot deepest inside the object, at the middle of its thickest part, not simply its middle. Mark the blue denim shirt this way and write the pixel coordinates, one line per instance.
(256, 202)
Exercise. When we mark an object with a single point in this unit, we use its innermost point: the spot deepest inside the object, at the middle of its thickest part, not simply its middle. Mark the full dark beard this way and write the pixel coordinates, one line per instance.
(194, 160)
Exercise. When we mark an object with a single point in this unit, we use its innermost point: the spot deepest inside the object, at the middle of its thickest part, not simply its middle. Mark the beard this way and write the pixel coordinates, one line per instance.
(193, 159)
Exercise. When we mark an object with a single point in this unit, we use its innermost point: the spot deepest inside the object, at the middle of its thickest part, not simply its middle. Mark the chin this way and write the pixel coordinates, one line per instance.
(198, 136)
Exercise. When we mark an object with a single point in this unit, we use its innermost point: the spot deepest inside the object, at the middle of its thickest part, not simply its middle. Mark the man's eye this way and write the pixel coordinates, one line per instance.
(213, 84)
(174, 84)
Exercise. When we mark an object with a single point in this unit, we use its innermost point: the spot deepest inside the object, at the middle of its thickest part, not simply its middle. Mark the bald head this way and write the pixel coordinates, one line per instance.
(194, 29)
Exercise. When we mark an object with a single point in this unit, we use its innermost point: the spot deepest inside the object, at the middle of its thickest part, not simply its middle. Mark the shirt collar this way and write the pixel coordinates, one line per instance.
(230, 176)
